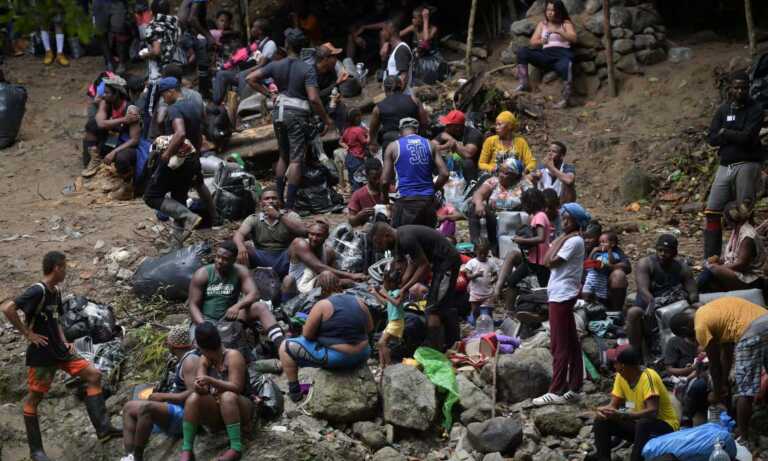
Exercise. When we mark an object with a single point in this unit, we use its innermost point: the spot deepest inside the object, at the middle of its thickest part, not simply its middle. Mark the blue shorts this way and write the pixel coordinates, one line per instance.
(175, 420)
(308, 353)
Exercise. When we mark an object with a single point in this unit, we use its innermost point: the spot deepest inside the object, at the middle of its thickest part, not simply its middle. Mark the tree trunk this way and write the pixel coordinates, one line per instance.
(470, 34)
(750, 26)
(608, 40)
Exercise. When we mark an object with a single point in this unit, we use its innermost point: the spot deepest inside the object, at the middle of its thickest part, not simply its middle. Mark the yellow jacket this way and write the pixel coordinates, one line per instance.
(493, 146)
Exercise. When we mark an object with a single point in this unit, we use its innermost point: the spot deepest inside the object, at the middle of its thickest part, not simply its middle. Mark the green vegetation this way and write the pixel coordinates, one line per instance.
(150, 353)
(28, 16)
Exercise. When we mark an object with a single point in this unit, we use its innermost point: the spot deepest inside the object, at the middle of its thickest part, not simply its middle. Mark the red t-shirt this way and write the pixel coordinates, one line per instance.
(355, 137)
(362, 199)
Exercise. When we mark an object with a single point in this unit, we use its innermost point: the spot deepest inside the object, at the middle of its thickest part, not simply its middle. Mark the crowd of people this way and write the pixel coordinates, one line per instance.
(526, 228)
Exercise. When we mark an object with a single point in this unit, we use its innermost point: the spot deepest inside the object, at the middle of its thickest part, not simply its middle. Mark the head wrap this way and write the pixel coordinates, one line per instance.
(179, 337)
(508, 118)
(578, 213)
(514, 164)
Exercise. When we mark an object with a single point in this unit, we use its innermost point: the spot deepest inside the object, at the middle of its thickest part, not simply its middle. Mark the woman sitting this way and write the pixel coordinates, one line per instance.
(335, 336)
(550, 49)
(497, 193)
(741, 265)
(505, 144)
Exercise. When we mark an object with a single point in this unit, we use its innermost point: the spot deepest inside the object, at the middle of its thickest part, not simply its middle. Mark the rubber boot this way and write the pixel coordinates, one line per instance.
(97, 413)
(180, 214)
(522, 78)
(106, 50)
(86, 153)
(567, 88)
(34, 439)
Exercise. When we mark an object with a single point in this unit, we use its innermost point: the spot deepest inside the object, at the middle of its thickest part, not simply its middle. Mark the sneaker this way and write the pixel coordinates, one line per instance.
(127, 457)
(571, 396)
(522, 88)
(93, 167)
(548, 399)
(62, 60)
(48, 59)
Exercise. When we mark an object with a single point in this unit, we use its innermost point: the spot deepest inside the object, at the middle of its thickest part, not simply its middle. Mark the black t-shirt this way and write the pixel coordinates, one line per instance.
(46, 323)
(403, 57)
(469, 136)
(292, 76)
(192, 114)
(416, 241)
(679, 353)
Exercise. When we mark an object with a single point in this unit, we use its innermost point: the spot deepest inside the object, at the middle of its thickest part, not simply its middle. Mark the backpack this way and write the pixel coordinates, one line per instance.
(93, 88)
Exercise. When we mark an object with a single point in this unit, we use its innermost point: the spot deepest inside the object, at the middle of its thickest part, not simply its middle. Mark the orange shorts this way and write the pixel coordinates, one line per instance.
(39, 379)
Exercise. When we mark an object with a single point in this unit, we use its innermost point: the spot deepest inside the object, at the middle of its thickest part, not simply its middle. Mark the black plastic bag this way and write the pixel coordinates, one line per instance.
(268, 392)
(171, 274)
(268, 283)
(83, 317)
(218, 126)
(430, 68)
(233, 337)
(13, 104)
(234, 193)
(352, 248)
(318, 200)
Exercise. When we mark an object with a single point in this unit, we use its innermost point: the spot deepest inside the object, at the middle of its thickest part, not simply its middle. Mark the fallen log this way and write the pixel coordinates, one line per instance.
(268, 146)
(456, 45)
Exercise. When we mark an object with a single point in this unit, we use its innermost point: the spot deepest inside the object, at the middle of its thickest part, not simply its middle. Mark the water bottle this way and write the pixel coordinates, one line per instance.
(718, 454)
(483, 228)
(484, 323)
(334, 94)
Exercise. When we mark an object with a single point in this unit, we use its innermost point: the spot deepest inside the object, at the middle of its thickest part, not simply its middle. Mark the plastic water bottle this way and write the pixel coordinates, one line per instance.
(484, 323)
(718, 454)
(334, 95)
(483, 228)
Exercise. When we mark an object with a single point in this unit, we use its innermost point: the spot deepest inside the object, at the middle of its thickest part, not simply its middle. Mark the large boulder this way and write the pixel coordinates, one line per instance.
(620, 17)
(373, 435)
(650, 57)
(500, 434)
(573, 7)
(584, 54)
(623, 45)
(344, 396)
(645, 41)
(389, 454)
(635, 185)
(557, 421)
(408, 397)
(595, 24)
(628, 64)
(523, 375)
(643, 16)
(476, 404)
(588, 67)
(523, 27)
(587, 39)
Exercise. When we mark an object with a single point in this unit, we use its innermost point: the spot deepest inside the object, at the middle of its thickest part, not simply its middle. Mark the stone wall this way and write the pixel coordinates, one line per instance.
(639, 37)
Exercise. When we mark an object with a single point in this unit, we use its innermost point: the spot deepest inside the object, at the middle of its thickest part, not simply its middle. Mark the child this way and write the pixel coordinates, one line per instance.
(355, 140)
(553, 213)
(604, 256)
(482, 272)
(389, 294)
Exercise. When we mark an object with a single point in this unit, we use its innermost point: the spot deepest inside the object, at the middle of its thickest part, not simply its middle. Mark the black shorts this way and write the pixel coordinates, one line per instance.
(293, 134)
(109, 16)
(443, 285)
(415, 210)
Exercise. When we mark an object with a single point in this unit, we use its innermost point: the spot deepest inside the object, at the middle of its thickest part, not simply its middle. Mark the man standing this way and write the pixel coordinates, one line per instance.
(734, 333)
(193, 18)
(735, 130)
(298, 98)
(271, 232)
(426, 249)
(411, 161)
(556, 174)
(386, 116)
(162, 409)
(400, 60)
(109, 17)
(462, 139)
(362, 203)
(661, 279)
(49, 351)
(215, 294)
(185, 121)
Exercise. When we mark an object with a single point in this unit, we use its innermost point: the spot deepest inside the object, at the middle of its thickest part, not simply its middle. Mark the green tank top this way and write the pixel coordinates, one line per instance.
(220, 293)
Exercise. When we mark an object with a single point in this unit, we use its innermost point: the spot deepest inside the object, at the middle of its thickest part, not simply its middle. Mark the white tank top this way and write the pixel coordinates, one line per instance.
(555, 39)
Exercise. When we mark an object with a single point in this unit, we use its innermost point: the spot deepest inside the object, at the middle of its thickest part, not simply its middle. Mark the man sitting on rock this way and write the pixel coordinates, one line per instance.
(362, 203)
(226, 291)
(271, 231)
(308, 258)
(640, 408)
(335, 335)
(222, 397)
(662, 279)
(164, 410)
(556, 174)
(425, 249)
(462, 139)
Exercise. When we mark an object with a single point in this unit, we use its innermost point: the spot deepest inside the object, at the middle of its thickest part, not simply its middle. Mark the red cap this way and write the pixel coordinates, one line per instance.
(454, 117)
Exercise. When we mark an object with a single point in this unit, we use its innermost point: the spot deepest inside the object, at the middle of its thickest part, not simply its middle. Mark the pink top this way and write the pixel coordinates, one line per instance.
(555, 39)
(536, 254)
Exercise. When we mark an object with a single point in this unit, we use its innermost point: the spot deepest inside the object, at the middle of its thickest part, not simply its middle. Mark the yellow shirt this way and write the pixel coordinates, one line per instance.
(724, 320)
(493, 146)
(649, 385)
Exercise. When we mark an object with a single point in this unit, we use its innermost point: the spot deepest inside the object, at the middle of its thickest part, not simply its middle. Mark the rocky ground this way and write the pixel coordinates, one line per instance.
(653, 128)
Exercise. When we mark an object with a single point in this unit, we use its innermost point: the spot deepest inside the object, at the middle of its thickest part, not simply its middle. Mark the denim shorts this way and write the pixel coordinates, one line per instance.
(308, 353)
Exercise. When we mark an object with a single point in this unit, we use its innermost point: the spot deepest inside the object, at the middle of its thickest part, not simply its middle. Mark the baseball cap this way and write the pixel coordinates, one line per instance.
(667, 241)
(167, 83)
(408, 122)
(332, 49)
(454, 117)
